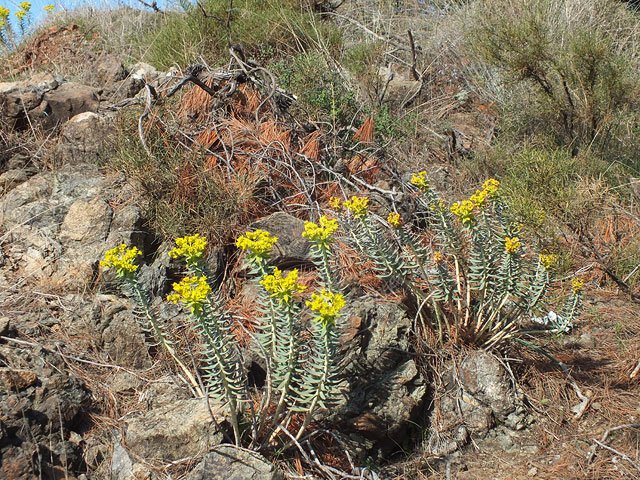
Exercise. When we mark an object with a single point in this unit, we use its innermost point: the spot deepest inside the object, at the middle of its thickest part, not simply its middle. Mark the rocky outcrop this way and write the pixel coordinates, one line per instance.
(60, 223)
(44, 101)
(385, 392)
(477, 396)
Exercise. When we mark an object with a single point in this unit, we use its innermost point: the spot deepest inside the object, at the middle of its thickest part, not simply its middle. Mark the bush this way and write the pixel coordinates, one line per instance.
(264, 28)
(566, 69)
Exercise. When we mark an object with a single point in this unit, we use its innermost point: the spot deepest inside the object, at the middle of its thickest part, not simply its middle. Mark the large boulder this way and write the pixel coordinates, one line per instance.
(85, 138)
(59, 224)
(386, 392)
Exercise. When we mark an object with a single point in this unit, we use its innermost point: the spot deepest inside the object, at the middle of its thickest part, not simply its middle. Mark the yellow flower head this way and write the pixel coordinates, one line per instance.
(20, 14)
(512, 245)
(394, 220)
(548, 261)
(479, 198)
(191, 247)
(121, 260)
(327, 306)
(335, 203)
(4, 12)
(464, 211)
(322, 232)
(49, 8)
(577, 284)
(282, 288)
(191, 291)
(491, 187)
(258, 243)
(25, 6)
(419, 180)
(358, 206)
(438, 257)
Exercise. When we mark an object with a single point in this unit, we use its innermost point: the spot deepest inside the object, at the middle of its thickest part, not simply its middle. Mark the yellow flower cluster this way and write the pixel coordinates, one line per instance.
(438, 257)
(464, 211)
(282, 288)
(49, 8)
(191, 247)
(4, 12)
(258, 243)
(191, 291)
(335, 203)
(548, 261)
(577, 284)
(20, 14)
(358, 206)
(419, 180)
(394, 220)
(121, 260)
(512, 245)
(321, 232)
(327, 305)
(488, 191)
(25, 6)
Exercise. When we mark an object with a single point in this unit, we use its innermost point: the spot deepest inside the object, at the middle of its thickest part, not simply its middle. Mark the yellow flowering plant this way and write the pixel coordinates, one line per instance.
(488, 287)
(258, 244)
(121, 259)
(321, 236)
(192, 291)
(283, 288)
(357, 206)
(191, 248)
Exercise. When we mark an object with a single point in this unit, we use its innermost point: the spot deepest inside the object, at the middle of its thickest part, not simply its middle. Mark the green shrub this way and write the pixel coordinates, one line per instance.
(567, 70)
(322, 92)
(264, 28)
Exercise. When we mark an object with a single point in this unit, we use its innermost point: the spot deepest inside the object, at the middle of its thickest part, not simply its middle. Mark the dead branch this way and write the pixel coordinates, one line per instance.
(592, 451)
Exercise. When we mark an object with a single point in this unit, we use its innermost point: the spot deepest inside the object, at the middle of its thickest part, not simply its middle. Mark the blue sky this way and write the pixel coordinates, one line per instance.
(38, 13)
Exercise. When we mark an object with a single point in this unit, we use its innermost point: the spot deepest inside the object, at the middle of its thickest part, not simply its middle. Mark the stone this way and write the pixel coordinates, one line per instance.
(385, 392)
(17, 379)
(229, 463)
(85, 138)
(109, 70)
(477, 396)
(124, 341)
(12, 178)
(66, 101)
(291, 248)
(184, 428)
(86, 221)
(19, 101)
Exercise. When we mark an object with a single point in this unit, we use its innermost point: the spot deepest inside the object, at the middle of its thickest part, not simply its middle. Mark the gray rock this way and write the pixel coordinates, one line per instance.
(86, 221)
(124, 341)
(229, 463)
(184, 428)
(291, 248)
(386, 392)
(5, 325)
(477, 396)
(66, 101)
(12, 178)
(85, 138)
